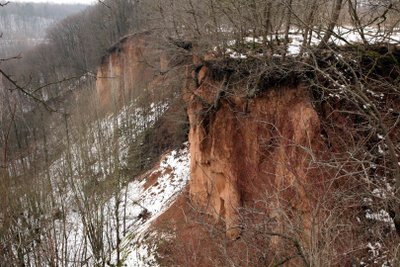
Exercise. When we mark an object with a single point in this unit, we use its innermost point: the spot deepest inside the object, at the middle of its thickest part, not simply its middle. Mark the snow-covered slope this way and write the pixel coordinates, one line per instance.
(96, 226)
(126, 224)
(144, 205)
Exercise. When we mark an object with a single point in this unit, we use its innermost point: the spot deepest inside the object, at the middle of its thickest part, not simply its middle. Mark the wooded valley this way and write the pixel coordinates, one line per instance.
(200, 133)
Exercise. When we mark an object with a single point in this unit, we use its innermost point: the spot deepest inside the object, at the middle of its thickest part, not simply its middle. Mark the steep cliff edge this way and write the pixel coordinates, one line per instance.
(132, 68)
(247, 150)
(137, 72)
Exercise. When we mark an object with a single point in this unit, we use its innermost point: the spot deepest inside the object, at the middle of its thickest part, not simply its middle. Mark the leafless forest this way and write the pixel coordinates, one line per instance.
(66, 158)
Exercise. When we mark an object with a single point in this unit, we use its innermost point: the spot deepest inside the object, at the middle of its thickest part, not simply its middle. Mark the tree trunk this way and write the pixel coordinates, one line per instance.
(335, 16)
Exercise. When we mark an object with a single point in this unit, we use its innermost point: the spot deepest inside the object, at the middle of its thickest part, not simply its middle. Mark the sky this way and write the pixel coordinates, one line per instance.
(58, 1)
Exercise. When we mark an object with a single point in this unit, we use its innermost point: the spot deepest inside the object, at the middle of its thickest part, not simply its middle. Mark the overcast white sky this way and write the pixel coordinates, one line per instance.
(57, 1)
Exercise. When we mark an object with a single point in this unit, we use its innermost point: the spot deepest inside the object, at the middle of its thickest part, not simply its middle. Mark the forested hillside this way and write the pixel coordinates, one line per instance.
(24, 25)
(201, 133)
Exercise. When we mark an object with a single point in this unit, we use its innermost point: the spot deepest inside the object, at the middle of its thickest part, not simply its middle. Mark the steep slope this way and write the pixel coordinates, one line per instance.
(101, 194)
(148, 199)
(263, 165)
(132, 68)
(264, 154)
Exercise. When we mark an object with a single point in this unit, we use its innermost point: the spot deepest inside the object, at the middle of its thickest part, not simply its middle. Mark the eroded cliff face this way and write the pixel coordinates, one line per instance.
(250, 151)
(131, 67)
